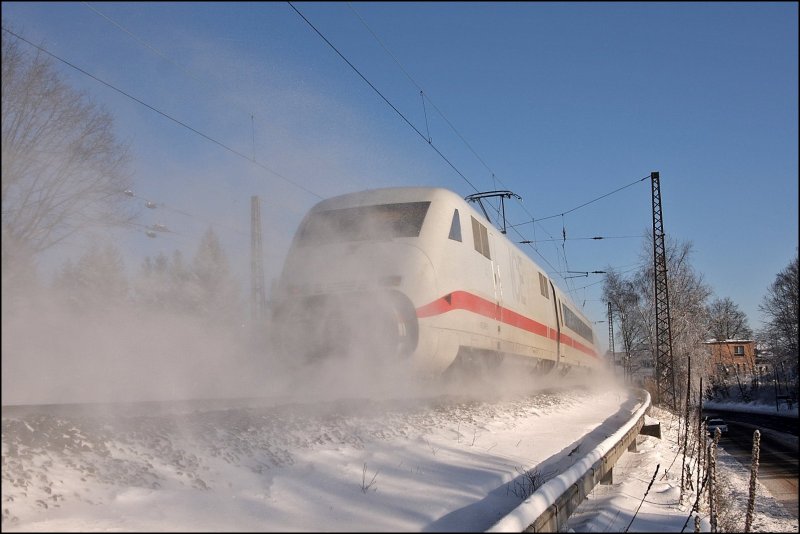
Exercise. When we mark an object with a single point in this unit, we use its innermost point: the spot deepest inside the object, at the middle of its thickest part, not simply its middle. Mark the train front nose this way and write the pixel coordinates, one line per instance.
(375, 326)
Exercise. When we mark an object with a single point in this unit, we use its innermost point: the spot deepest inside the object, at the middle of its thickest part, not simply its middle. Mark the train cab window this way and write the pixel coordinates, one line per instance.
(455, 227)
(543, 286)
(481, 238)
(364, 223)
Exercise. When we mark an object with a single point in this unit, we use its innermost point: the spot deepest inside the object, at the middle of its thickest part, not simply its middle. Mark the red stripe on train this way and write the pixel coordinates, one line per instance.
(461, 300)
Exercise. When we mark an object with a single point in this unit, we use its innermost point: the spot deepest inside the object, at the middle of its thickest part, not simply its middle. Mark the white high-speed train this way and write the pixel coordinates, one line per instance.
(419, 275)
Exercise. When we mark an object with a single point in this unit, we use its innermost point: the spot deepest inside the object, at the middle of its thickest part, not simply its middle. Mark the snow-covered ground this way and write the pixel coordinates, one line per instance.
(611, 508)
(440, 463)
(752, 407)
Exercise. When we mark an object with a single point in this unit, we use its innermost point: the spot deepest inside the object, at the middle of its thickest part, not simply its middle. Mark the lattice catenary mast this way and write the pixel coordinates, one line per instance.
(611, 350)
(665, 369)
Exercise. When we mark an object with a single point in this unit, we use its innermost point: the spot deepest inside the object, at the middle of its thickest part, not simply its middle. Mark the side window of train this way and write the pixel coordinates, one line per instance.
(480, 238)
(576, 324)
(455, 227)
(543, 286)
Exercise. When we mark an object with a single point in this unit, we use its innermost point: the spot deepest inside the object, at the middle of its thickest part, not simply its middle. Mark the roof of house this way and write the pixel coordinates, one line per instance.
(713, 341)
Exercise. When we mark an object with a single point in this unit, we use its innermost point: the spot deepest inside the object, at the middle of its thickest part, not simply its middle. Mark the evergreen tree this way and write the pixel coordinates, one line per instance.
(152, 284)
(215, 294)
(97, 281)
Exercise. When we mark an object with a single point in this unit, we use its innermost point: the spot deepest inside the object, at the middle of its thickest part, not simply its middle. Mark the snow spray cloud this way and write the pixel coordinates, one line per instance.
(55, 351)
(341, 324)
(62, 348)
(344, 320)
(77, 346)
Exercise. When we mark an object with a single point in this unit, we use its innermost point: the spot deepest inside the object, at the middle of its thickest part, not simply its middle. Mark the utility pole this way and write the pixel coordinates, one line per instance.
(258, 301)
(665, 369)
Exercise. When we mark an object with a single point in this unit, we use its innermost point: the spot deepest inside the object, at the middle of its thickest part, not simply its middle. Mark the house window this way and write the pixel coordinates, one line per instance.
(481, 238)
(455, 227)
(738, 350)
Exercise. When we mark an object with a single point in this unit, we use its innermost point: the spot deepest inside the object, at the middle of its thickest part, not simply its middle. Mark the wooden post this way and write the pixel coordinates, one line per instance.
(751, 502)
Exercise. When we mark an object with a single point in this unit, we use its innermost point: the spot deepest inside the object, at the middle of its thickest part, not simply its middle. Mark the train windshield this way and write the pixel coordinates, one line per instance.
(364, 223)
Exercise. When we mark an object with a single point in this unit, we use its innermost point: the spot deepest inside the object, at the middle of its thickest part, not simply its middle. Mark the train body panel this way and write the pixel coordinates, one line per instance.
(436, 278)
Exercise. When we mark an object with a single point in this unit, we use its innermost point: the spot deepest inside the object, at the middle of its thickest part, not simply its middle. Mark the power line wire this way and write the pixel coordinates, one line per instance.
(165, 115)
(149, 203)
(139, 40)
(427, 139)
(601, 281)
(553, 269)
(425, 95)
(540, 219)
(243, 156)
(363, 77)
(384, 98)
(534, 220)
(595, 238)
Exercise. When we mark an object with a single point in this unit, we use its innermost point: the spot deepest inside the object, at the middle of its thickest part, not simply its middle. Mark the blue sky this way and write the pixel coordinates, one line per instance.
(563, 102)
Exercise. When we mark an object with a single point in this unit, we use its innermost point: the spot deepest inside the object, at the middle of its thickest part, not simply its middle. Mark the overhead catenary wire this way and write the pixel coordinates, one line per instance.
(164, 56)
(165, 115)
(594, 238)
(553, 269)
(405, 119)
(410, 124)
(427, 139)
(564, 238)
(494, 178)
(230, 149)
(425, 96)
(270, 170)
(601, 281)
(152, 204)
(156, 228)
(540, 219)
(140, 40)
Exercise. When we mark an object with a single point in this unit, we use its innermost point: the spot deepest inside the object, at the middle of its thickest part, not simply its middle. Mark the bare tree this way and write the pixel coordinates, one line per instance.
(625, 304)
(727, 321)
(688, 294)
(634, 299)
(63, 169)
(780, 309)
